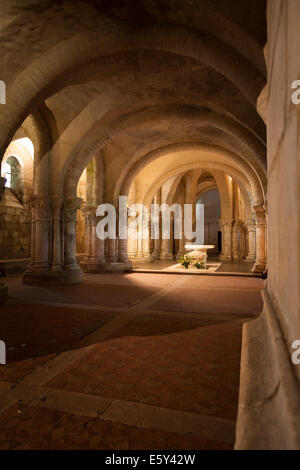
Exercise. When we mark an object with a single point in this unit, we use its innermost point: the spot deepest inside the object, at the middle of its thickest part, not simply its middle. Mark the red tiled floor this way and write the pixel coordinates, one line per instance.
(16, 371)
(217, 282)
(191, 300)
(38, 428)
(34, 333)
(194, 369)
(37, 330)
(171, 361)
(88, 294)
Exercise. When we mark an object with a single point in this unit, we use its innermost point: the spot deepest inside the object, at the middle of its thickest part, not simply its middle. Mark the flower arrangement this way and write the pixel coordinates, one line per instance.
(184, 261)
(200, 264)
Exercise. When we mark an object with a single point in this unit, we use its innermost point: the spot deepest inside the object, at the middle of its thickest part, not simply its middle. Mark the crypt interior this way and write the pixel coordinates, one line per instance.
(164, 102)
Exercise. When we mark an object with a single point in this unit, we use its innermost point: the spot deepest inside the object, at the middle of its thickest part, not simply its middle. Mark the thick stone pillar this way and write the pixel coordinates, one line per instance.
(56, 264)
(42, 232)
(123, 255)
(112, 256)
(94, 260)
(3, 288)
(39, 269)
(73, 272)
(226, 229)
(112, 263)
(260, 230)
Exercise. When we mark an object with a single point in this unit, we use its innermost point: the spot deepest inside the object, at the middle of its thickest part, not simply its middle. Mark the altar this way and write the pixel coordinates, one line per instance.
(198, 251)
(196, 261)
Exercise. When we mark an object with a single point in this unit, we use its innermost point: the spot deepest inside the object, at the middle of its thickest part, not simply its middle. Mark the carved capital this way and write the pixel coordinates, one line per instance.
(237, 225)
(40, 207)
(260, 216)
(225, 224)
(56, 204)
(249, 225)
(89, 213)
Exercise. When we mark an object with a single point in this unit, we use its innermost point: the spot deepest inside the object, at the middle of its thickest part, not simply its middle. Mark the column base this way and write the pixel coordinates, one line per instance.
(166, 256)
(92, 266)
(127, 265)
(144, 259)
(259, 267)
(64, 276)
(3, 292)
(117, 267)
(250, 258)
(225, 257)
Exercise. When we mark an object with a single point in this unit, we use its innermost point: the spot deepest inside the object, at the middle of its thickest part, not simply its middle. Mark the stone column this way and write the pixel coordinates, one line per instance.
(155, 224)
(131, 248)
(38, 271)
(123, 255)
(42, 233)
(181, 249)
(244, 241)
(250, 227)
(146, 242)
(181, 241)
(56, 264)
(156, 249)
(226, 229)
(165, 252)
(3, 288)
(165, 245)
(32, 240)
(236, 252)
(112, 251)
(139, 253)
(124, 244)
(260, 230)
(73, 271)
(112, 263)
(94, 260)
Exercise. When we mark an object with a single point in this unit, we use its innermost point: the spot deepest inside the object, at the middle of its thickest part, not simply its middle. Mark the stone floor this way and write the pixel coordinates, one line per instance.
(124, 361)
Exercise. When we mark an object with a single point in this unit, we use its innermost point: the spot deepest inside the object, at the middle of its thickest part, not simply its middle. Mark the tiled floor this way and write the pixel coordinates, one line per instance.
(132, 361)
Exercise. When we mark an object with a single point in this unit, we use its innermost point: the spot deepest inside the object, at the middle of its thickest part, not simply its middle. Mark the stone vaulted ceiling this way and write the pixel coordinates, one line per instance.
(131, 77)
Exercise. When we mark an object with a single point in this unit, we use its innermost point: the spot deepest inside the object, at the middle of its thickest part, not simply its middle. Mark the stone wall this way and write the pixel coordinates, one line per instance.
(269, 407)
(15, 228)
(284, 165)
